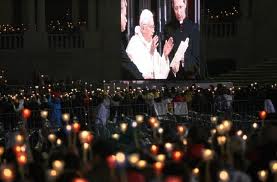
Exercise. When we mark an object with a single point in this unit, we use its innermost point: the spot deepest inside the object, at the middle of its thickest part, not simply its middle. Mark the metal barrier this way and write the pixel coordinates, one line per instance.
(239, 110)
(221, 30)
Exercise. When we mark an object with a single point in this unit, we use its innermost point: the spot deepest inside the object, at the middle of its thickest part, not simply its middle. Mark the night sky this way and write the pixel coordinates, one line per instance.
(214, 4)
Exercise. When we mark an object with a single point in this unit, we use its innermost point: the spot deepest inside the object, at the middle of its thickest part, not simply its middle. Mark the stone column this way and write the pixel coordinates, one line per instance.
(6, 11)
(92, 15)
(41, 24)
(76, 11)
(31, 14)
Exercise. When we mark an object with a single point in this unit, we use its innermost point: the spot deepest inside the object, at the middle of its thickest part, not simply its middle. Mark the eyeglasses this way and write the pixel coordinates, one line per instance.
(150, 26)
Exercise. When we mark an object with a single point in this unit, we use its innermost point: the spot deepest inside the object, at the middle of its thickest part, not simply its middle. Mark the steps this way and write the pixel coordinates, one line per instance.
(263, 73)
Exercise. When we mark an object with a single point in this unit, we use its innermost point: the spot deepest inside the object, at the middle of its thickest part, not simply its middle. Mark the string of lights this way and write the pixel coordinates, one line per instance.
(223, 14)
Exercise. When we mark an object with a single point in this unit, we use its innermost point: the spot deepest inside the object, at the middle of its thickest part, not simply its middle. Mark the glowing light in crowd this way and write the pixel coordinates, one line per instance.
(208, 154)
(154, 149)
(44, 114)
(133, 158)
(120, 157)
(58, 165)
(66, 117)
(262, 115)
(160, 158)
(141, 164)
(262, 175)
(52, 138)
(273, 166)
(223, 176)
(177, 155)
(115, 136)
(139, 118)
(195, 171)
(26, 113)
(123, 127)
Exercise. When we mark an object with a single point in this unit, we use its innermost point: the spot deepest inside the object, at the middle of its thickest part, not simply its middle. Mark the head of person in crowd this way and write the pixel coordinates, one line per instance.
(146, 23)
(179, 7)
(123, 15)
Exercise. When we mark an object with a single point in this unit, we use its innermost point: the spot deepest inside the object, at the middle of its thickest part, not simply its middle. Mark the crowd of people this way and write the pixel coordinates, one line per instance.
(138, 145)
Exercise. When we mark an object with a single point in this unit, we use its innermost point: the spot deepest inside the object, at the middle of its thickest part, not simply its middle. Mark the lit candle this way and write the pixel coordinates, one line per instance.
(52, 174)
(220, 129)
(262, 175)
(52, 138)
(214, 120)
(2, 150)
(120, 158)
(66, 117)
(223, 176)
(80, 180)
(239, 132)
(58, 165)
(154, 149)
(68, 129)
(123, 127)
(255, 125)
(7, 174)
(168, 147)
(160, 158)
(115, 136)
(19, 139)
(273, 168)
(181, 130)
(139, 119)
(86, 147)
(133, 159)
(221, 140)
(83, 136)
(227, 125)
(26, 113)
(158, 166)
(141, 164)
(177, 155)
(195, 172)
(75, 127)
(44, 114)
(22, 159)
(59, 142)
(207, 154)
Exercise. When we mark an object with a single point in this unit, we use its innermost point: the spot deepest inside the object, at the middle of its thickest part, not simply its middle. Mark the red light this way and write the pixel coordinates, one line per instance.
(26, 113)
(262, 114)
(111, 160)
(177, 155)
(80, 180)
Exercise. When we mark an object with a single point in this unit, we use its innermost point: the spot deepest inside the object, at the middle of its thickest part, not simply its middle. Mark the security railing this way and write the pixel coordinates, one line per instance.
(11, 41)
(221, 30)
(65, 41)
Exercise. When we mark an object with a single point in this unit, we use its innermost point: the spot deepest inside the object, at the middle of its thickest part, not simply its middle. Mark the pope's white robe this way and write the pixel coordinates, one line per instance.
(151, 66)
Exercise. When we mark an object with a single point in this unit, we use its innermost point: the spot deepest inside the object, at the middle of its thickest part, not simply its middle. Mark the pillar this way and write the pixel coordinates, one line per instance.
(92, 15)
(41, 24)
(76, 11)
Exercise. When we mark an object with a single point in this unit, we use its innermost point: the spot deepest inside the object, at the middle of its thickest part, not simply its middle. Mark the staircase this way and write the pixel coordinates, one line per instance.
(263, 73)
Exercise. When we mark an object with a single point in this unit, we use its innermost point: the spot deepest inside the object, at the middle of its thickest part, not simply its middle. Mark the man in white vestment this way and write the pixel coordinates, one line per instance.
(142, 49)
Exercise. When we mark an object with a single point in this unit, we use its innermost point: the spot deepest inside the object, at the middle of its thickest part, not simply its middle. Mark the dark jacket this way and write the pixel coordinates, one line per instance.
(179, 32)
